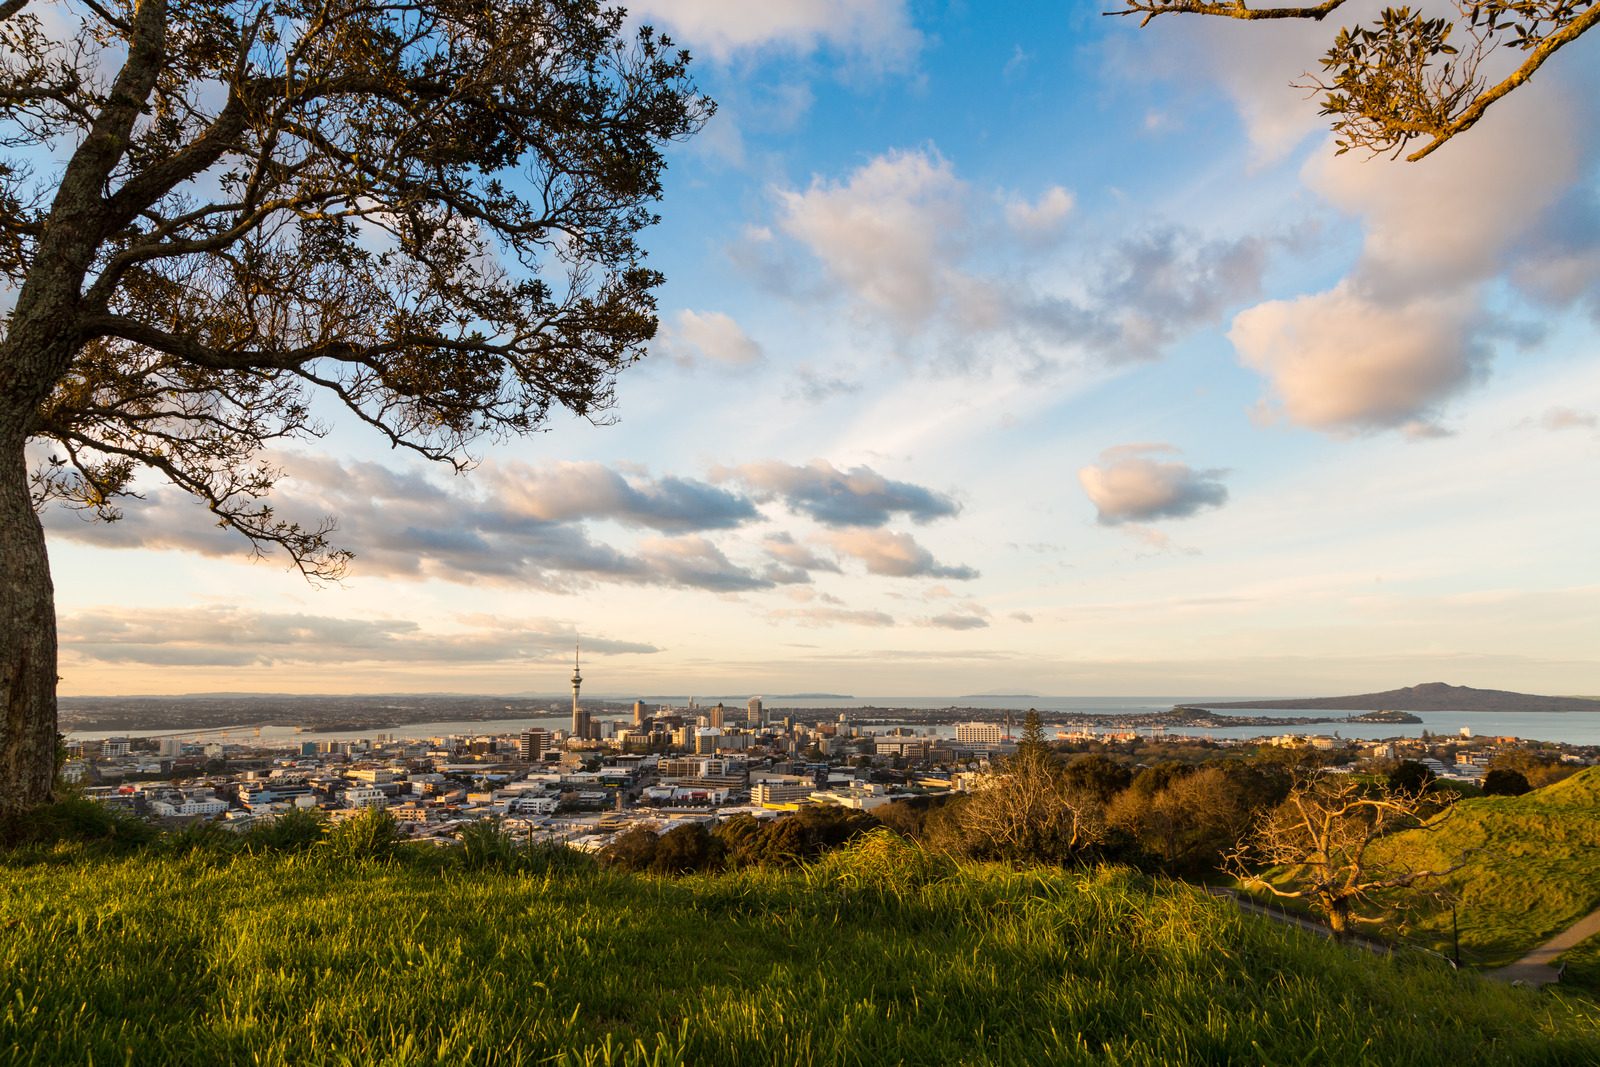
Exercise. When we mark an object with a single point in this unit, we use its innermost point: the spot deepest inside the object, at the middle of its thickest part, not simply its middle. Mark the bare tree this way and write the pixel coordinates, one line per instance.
(1319, 846)
(209, 212)
(1029, 810)
(1406, 77)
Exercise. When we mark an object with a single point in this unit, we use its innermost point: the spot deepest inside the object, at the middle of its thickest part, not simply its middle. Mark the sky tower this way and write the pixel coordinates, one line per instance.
(580, 718)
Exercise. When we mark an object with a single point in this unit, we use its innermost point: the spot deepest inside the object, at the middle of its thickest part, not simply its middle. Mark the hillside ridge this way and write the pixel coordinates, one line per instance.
(1428, 696)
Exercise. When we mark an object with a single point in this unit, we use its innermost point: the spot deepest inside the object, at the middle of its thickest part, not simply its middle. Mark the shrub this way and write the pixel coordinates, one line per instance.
(373, 834)
(791, 839)
(293, 831)
(485, 845)
(202, 836)
(1409, 776)
(75, 819)
(685, 849)
(880, 860)
(1505, 783)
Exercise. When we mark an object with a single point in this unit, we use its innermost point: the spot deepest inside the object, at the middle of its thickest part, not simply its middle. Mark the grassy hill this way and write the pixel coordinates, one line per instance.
(880, 954)
(1533, 871)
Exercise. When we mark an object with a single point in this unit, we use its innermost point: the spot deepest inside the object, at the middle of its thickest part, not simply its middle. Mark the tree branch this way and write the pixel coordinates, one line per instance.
(1151, 8)
(1547, 48)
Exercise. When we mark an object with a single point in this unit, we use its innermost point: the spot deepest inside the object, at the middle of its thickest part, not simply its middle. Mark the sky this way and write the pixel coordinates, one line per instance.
(1028, 352)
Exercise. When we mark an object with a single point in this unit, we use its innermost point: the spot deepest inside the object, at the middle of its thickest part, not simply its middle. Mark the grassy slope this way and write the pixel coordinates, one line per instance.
(880, 955)
(1535, 869)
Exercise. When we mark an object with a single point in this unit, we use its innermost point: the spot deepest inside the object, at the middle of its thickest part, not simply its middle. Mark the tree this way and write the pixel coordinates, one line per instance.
(424, 212)
(1029, 810)
(1406, 77)
(1097, 775)
(1317, 845)
(1500, 782)
(1193, 819)
(686, 848)
(1411, 777)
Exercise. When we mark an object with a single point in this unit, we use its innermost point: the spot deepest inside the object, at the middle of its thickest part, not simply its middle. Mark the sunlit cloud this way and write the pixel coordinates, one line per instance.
(1132, 483)
(856, 497)
(895, 555)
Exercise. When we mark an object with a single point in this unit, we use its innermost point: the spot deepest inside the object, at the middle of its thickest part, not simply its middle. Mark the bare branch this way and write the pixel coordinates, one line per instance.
(1151, 8)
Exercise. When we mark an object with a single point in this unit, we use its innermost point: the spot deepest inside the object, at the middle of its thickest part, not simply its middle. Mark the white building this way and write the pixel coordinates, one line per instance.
(980, 733)
(365, 798)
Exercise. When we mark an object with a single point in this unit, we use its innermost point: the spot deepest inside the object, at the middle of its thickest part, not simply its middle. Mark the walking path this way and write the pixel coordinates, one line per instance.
(1246, 904)
(1538, 967)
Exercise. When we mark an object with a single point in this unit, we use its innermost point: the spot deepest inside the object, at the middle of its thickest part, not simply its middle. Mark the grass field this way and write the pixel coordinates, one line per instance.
(1534, 869)
(880, 954)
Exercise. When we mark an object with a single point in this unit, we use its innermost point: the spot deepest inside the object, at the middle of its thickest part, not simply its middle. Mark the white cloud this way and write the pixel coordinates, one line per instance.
(879, 31)
(1412, 323)
(1129, 485)
(1341, 361)
(909, 243)
(710, 335)
(1041, 219)
(894, 555)
(1451, 220)
(885, 234)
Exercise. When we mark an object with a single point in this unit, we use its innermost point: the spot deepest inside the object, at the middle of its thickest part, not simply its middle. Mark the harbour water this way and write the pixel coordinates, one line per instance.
(1578, 728)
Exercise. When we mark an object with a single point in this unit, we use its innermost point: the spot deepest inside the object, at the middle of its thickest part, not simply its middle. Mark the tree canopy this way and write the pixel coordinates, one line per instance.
(1406, 77)
(425, 213)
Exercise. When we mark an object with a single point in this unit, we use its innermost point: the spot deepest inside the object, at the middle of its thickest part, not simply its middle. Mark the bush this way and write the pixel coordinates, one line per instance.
(76, 819)
(1411, 777)
(373, 834)
(1505, 783)
(685, 849)
(880, 860)
(293, 831)
(202, 836)
(486, 846)
(633, 850)
(791, 839)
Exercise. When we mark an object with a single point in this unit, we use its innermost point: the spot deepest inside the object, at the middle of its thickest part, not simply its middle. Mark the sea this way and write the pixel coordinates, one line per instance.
(1576, 728)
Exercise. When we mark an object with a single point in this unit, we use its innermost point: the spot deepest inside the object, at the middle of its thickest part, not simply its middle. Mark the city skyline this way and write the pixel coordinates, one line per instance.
(1039, 354)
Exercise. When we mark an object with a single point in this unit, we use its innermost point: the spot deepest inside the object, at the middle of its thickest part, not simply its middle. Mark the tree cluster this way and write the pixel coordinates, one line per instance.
(742, 841)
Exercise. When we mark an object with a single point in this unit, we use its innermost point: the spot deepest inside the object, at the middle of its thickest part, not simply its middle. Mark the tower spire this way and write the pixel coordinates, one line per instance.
(580, 720)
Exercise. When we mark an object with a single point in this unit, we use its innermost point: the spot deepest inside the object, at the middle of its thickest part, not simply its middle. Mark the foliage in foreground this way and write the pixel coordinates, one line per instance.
(879, 953)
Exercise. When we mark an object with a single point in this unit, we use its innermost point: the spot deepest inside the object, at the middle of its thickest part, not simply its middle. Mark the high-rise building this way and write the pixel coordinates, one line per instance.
(534, 742)
(580, 718)
(754, 716)
(638, 713)
(979, 733)
(718, 715)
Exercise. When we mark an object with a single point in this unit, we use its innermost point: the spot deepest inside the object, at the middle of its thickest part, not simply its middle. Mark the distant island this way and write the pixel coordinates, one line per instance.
(1430, 696)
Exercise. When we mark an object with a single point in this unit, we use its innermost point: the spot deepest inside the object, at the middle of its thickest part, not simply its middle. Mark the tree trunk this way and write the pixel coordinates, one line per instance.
(1338, 910)
(27, 639)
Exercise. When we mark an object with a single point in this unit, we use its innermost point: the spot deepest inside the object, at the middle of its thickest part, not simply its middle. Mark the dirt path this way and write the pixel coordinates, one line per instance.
(1538, 967)
(1245, 904)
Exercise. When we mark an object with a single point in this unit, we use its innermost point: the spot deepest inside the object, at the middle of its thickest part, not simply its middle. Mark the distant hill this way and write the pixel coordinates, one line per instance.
(1430, 696)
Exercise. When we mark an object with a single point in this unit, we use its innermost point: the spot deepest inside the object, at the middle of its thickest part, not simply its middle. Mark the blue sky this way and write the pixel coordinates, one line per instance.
(1030, 352)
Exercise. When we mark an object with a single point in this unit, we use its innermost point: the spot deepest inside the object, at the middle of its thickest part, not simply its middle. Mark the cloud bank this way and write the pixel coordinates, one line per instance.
(234, 637)
(536, 526)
